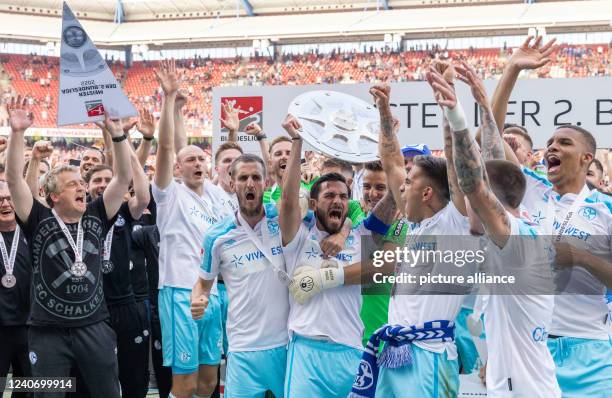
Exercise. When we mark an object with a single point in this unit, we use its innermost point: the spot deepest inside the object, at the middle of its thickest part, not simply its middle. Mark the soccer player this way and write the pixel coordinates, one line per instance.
(595, 175)
(68, 317)
(225, 155)
(16, 273)
(185, 212)
(246, 250)
(428, 197)
(524, 150)
(324, 323)
(516, 319)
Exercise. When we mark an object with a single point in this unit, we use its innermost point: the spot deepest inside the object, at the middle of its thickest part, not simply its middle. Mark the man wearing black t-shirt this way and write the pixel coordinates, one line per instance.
(131, 329)
(66, 242)
(16, 272)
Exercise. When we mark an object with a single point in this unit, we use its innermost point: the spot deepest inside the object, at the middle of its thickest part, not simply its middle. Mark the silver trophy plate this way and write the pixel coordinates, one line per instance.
(338, 125)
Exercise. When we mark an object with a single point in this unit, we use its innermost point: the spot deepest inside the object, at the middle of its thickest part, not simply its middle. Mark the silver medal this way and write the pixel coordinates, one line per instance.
(78, 269)
(8, 281)
(107, 266)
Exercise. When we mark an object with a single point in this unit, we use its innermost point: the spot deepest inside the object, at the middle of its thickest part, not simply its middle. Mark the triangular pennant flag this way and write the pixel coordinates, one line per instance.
(88, 87)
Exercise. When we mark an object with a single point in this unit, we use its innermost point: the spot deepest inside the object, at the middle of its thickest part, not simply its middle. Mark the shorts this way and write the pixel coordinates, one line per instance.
(317, 368)
(584, 366)
(252, 373)
(431, 375)
(187, 343)
(469, 360)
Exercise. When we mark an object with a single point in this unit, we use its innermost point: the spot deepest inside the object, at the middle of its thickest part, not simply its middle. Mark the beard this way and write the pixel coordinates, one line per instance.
(324, 222)
(250, 212)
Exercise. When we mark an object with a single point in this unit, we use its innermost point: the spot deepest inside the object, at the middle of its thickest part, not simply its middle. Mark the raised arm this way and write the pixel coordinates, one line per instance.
(469, 165)
(20, 120)
(146, 126)
(140, 183)
(40, 151)
(255, 130)
(290, 214)
(164, 162)
(492, 144)
(117, 188)
(388, 145)
(180, 135)
(231, 121)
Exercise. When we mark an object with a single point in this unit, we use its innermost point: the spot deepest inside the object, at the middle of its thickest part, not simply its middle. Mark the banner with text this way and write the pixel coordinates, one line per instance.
(541, 105)
(88, 87)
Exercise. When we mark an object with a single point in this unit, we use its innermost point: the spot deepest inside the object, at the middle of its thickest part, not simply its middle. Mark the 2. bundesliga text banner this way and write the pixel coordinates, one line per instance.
(541, 105)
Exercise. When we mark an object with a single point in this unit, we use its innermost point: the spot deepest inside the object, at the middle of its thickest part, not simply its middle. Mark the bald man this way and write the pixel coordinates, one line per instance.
(185, 213)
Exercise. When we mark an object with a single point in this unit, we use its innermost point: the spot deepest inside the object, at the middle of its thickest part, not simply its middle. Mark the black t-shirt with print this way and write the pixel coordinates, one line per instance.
(15, 301)
(58, 297)
(118, 283)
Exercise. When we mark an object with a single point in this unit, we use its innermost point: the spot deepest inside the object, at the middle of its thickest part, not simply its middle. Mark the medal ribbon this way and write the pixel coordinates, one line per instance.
(9, 259)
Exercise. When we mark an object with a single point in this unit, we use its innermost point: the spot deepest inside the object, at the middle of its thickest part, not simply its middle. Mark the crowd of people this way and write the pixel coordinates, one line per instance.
(261, 258)
(36, 77)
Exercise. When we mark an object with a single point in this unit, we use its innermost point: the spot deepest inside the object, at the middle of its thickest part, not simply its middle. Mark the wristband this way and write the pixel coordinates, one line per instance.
(296, 138)
(456, 117)
(374, 224)
(148, 138)
(120, 138)
(260, 137)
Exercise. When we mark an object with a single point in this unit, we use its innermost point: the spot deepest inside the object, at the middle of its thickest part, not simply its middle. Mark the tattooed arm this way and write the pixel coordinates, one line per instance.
(469, 165)
(453, 184)
(388, 145)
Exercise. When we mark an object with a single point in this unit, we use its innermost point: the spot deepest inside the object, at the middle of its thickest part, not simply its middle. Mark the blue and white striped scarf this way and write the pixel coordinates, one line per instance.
(397, 352)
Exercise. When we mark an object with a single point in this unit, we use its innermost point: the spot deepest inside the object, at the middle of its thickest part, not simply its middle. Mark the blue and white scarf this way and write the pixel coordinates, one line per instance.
(397, 352)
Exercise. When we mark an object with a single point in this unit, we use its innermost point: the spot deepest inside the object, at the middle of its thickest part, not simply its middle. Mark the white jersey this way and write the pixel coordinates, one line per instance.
(182, 219)
(333, 314)
(590, 228)
(517, 320)
(258, 300)
(406, 309)
(230, 199)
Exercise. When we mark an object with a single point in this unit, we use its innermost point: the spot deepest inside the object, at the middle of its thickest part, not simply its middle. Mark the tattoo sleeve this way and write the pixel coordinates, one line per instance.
(386, 210)
(492, 142)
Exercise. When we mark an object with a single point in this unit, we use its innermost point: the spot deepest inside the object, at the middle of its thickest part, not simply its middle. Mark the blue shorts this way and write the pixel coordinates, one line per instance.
(252, 373)
(188, 343)
(584, 366)
(318, 368)
(432, 375)
(224, 303)
(468, 355)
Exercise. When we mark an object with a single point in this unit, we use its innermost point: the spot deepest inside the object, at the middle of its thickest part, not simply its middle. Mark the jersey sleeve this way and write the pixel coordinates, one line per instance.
(164, 200)
(209, 268)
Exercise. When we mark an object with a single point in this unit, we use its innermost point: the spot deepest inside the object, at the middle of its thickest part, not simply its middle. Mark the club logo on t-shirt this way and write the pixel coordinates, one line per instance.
(56, 289)
(120, 221)
(588, 213)
(273, 228)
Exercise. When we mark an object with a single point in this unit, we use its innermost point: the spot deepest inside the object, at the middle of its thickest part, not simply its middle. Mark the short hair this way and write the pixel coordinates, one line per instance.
(226, 146)
(247, 158)
(96, 150)
(329, 177)
(276, 140)
(95, 169)
(587, 137)
(435, 169)
(598, 165)
(51, 183)
(374, 166)
(520, 131)
(506, 181)
(343, 165)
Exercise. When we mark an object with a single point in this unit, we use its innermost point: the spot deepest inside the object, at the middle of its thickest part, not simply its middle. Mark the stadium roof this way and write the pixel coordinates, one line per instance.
(176, 23)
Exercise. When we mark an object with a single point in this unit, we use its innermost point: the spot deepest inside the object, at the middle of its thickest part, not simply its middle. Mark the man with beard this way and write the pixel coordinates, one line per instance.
(324, 322)
(185, 212)
(89, 158)
(246, 250)
(427, 196)
(68, 317)
(130, 327)
(16, 273)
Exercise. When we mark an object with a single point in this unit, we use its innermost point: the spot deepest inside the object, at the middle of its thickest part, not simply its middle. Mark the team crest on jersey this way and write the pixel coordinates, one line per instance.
(365, 376)
(120, 221)
(33, 357)
(184, 356)
(588, 213)
(350, 241)
(273, 228)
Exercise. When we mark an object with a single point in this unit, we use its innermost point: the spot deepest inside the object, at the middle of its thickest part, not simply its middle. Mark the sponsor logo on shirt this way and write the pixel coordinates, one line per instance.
(573, 231)
(539, 334)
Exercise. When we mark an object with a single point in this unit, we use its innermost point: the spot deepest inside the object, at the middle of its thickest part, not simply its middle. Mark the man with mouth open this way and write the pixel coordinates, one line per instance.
(246, 250)
(185, 212)
(68, 317)
(324, 322)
